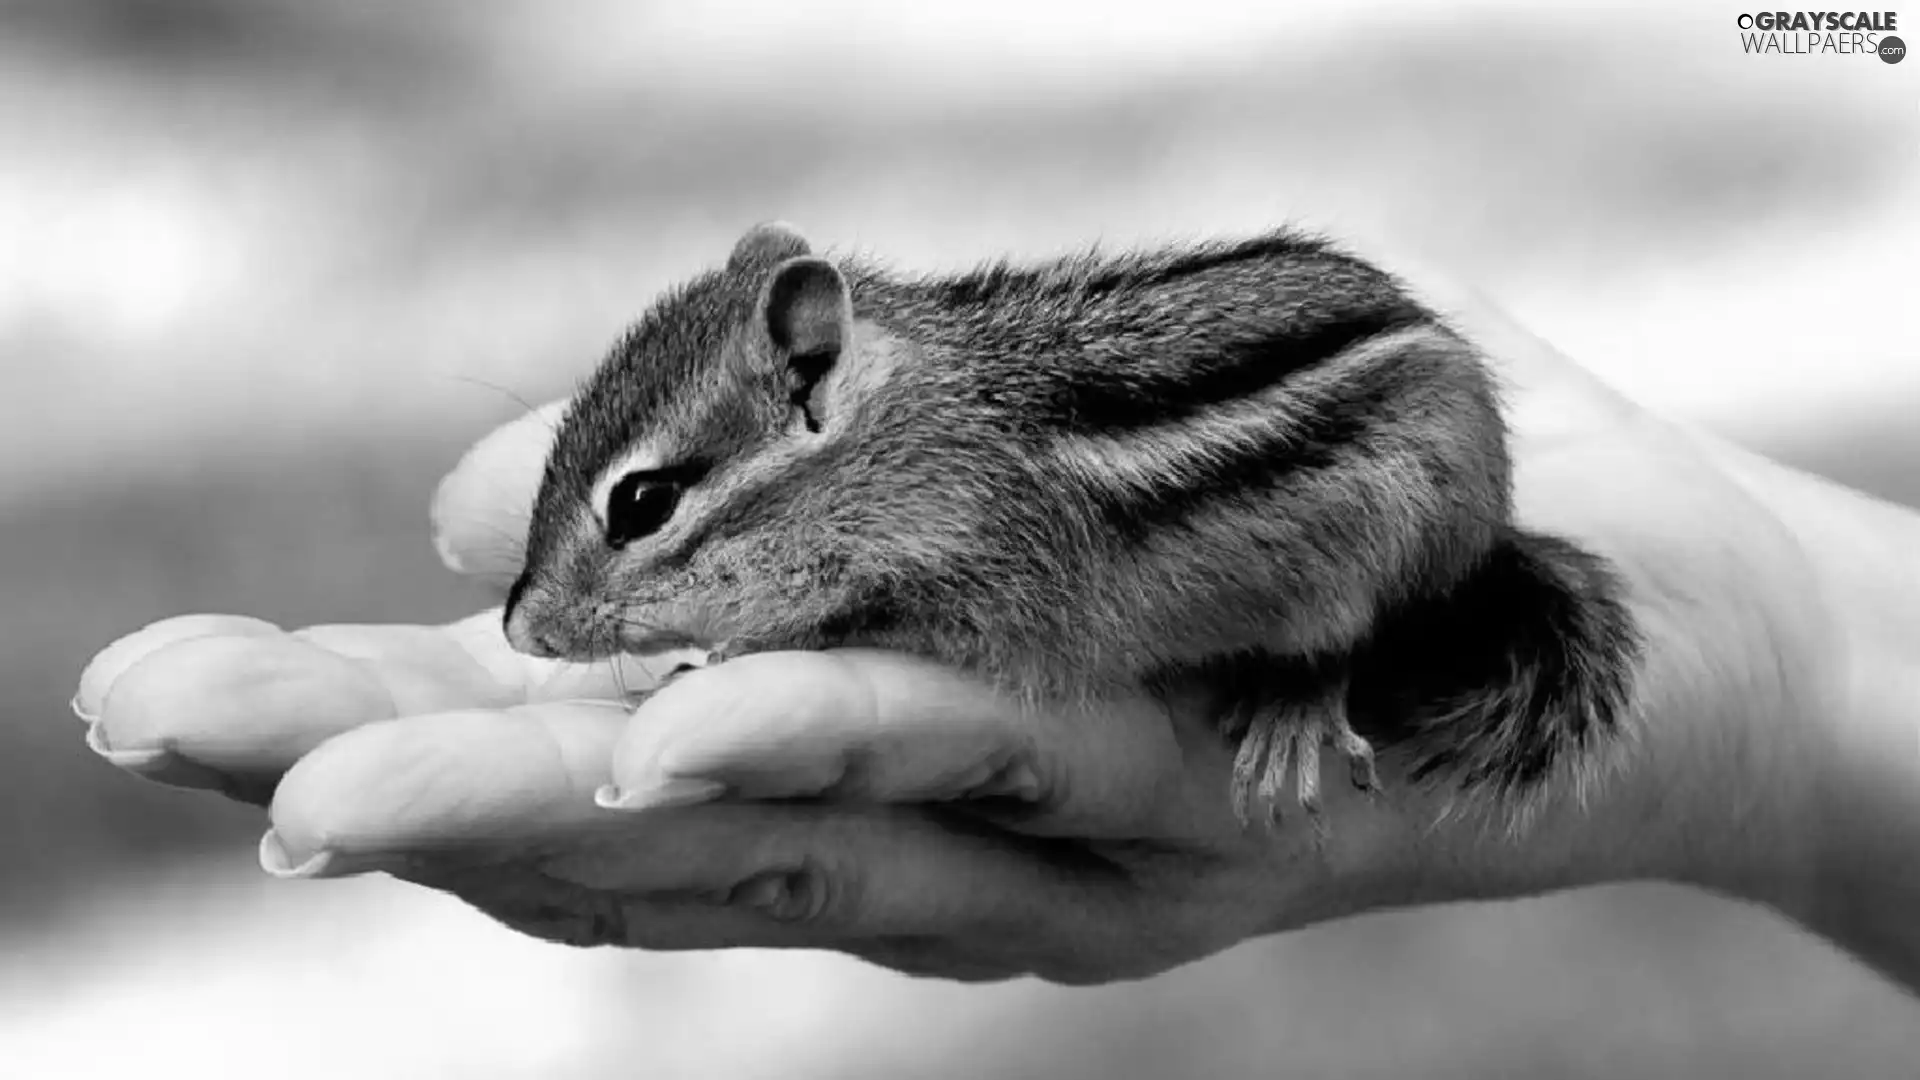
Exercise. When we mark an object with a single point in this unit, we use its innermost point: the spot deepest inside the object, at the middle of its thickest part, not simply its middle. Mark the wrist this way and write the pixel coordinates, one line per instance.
(1862, 887)
(1851, 876)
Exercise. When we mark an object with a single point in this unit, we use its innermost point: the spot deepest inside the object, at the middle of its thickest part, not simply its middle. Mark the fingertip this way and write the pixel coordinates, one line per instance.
(284, 861)
(158, 764)
(671, 792)
(247, 704)
(278, 860)
(109, 664)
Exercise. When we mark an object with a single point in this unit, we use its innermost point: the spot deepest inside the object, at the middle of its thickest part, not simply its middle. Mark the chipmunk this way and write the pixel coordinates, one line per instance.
(1259, 462)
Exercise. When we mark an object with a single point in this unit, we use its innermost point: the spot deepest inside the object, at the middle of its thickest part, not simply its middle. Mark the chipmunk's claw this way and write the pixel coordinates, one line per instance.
(1283, 736)
(715, 656)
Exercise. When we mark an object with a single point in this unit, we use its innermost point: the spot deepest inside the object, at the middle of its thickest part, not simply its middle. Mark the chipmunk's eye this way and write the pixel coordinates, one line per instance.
(639, 505)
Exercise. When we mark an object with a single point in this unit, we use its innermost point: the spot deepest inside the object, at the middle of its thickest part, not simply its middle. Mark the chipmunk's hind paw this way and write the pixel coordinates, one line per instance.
(1279, 735)
(1514, 685)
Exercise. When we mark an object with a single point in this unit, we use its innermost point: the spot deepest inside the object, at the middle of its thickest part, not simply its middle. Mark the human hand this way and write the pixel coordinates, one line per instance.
(882, 806)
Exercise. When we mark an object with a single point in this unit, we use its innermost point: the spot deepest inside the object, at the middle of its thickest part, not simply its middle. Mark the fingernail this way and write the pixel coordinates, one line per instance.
(280, 861)
(141, 760)
(80, 710)
(675, 791)
(275, 859)
(160, 765)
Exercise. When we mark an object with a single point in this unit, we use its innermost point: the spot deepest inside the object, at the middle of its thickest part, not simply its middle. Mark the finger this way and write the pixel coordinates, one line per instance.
(228, 704)
(110, 663)
(104, 671)
(569, 914)
(483, 804)
(840, 876)
(508, 781)
(480, 510)
(507, 795)
(873, 725)
(224, 711)
(524, 899)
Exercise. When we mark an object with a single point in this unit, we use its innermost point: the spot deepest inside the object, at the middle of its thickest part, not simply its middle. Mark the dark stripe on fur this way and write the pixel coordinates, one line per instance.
(1320, 437)
(1107, 344)
(756, 501)
(1125, 396)
(1152, 271)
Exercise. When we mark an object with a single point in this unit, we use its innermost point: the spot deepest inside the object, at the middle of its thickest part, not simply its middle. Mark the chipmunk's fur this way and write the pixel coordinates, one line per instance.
(1258, 460)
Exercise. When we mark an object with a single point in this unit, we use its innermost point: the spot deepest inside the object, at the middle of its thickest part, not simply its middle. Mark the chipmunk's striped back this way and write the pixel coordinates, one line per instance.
(1271, 427)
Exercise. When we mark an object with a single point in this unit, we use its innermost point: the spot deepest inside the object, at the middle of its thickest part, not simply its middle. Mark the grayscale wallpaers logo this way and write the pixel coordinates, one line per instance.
(1823, 33)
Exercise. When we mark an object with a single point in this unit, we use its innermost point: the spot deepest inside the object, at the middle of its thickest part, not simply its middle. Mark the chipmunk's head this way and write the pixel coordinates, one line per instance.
(705, 485)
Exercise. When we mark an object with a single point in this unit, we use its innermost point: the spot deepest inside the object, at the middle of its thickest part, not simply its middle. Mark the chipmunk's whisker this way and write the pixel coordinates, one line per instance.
(614, 661)
(495, 531)
(475, 380)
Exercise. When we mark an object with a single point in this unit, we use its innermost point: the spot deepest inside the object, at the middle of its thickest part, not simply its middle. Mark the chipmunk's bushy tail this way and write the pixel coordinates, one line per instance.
(1517, 679)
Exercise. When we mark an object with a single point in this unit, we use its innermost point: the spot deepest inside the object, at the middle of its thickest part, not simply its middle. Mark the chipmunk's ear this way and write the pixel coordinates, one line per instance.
(767, 244)
(808, 312)
(808, 309)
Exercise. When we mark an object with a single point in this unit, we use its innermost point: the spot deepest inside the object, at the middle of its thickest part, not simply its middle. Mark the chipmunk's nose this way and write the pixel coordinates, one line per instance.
(543, 646)
(517, 621)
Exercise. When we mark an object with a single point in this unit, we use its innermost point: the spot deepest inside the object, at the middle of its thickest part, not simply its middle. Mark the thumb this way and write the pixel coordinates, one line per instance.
(862, 724)
(481, 509)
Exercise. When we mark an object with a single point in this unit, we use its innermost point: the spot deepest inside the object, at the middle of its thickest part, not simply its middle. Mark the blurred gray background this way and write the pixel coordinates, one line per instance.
(266, 267)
